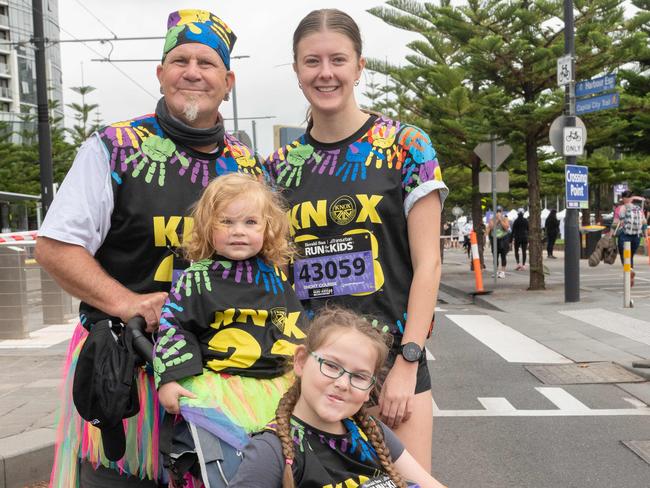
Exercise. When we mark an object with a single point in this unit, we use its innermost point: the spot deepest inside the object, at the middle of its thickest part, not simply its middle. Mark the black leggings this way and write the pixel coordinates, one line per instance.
(502, 250)
(524, 246)
(550, 243)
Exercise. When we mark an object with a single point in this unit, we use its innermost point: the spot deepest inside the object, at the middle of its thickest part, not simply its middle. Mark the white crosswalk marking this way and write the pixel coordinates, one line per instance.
(635, 329)
(508, 343)
(496, 404)
(562, 399)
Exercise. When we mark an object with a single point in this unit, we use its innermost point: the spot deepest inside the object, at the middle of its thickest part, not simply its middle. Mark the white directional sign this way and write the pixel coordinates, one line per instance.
(564, 70)
(484, 151)
(573, 141)
(485, 182)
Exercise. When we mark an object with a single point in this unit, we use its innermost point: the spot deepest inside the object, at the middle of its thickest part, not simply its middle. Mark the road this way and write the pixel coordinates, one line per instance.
(497, 425)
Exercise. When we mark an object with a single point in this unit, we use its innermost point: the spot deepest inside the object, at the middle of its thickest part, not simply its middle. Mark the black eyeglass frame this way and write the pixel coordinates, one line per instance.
(342, 371)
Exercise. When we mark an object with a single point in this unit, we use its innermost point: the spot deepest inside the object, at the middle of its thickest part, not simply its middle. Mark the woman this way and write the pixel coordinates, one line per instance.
(500, 226)
(552, 229)
(365, 196)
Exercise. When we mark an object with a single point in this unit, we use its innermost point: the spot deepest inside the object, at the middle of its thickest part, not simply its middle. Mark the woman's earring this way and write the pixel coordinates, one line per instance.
(300, 85)
(161, 90)
(226, 97)
(356, 83)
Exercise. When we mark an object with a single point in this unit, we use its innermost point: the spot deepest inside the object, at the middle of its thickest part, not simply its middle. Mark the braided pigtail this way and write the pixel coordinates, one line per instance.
(283, 420)
(376, 438)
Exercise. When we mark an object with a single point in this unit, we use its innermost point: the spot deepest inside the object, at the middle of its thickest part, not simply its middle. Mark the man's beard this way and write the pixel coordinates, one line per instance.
(191, 110)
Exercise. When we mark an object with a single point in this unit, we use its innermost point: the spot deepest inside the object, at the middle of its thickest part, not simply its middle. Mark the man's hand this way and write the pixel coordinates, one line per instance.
(147, 305)
(169, 395)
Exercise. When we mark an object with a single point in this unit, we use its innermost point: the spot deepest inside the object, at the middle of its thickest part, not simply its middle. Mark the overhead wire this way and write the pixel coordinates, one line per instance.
(99, 54)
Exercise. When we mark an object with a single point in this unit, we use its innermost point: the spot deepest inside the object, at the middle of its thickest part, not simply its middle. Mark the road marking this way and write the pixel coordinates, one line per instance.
(635, 402)
(635, 329)
(562, 399)
(496, 404)
(429, 355)
(582, 411)
(511, 345)
(42, 338)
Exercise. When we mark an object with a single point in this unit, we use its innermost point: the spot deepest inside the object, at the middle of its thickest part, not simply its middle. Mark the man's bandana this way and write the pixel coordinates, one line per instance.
(200, 26)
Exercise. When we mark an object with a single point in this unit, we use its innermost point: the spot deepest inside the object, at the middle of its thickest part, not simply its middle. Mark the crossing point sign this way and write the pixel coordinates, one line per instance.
(577, 186)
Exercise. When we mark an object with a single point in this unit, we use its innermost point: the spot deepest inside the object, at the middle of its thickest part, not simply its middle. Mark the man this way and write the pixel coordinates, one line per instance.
(110, 234)
(631, 224)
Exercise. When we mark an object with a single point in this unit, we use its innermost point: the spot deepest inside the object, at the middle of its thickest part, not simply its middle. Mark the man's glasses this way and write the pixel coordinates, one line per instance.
(360, 381)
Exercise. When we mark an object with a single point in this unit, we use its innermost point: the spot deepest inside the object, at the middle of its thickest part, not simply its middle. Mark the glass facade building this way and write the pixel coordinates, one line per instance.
(18, 67)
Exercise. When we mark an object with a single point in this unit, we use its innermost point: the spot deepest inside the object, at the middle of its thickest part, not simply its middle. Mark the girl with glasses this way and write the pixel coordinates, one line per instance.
(322, 434)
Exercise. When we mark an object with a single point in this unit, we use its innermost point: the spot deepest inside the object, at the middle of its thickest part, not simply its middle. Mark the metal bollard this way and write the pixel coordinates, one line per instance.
(627, 275)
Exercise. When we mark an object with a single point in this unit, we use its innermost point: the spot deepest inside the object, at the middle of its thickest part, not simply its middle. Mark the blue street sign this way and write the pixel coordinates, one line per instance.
(596, 85)
(594, 104)
(577, 186)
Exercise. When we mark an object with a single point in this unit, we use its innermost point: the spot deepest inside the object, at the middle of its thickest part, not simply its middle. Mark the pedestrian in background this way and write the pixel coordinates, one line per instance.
(520, 236)
(552, 230)
(630, 223)
(500, 226)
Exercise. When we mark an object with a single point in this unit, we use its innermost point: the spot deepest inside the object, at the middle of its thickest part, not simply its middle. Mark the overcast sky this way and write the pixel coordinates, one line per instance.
(266, 84)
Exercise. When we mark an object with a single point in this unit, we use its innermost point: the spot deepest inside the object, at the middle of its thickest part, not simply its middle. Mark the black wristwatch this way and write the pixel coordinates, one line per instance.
(411, 352)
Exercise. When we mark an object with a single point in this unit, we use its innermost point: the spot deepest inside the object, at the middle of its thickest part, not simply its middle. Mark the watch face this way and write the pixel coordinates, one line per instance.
(411, 351)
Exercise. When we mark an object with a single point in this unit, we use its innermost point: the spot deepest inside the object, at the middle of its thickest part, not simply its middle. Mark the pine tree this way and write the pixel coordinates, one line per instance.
(511, 47)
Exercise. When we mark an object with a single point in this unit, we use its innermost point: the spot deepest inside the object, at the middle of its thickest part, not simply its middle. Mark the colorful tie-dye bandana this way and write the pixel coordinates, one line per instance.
(200, 26)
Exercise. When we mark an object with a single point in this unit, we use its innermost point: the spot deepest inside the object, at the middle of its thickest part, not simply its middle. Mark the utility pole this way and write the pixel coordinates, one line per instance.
(571, 229)
(493, 169)
(44, 140)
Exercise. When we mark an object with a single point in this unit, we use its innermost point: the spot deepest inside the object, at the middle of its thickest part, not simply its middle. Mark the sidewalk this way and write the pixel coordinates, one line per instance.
(30, 376)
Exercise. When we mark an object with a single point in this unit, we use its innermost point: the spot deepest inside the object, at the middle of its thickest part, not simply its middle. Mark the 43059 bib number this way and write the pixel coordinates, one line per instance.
(335, 266)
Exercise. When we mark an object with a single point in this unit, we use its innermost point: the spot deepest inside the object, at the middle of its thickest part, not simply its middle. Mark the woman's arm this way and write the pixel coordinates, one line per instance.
(423, 224)
(410, 470)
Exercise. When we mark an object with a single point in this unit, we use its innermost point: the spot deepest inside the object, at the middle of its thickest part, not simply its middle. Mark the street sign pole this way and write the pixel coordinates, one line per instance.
(571, 230)
(493, 166)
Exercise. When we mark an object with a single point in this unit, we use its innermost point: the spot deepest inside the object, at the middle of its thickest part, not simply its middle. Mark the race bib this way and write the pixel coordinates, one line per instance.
(334, 266)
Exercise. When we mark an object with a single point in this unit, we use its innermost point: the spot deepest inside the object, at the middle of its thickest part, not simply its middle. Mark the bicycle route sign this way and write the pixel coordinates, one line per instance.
(573, 141)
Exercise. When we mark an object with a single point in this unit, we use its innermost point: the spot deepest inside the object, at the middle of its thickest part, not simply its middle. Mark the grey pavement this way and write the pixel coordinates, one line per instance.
(583, 331)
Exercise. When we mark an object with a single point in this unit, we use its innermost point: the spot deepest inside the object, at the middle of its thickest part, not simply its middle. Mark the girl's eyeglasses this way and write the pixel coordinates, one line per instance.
(360, 381)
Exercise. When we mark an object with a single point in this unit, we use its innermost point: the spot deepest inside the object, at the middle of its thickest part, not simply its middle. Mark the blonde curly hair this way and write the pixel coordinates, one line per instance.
(221, 192)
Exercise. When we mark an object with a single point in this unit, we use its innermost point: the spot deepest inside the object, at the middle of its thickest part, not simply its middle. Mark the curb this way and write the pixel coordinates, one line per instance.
(26, 458)
(479, 300)
(642, 372)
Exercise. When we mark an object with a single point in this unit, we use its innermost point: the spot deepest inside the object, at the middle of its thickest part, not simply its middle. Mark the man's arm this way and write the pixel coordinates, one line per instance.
(79, 273)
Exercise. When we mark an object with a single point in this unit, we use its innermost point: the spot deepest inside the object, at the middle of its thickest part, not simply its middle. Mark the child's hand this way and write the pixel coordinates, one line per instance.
(169, 393)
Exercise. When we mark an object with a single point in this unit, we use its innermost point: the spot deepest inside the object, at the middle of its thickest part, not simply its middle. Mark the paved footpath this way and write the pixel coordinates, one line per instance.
(597, 328)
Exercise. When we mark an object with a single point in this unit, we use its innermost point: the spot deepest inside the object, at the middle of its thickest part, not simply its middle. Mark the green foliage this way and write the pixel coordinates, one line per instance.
(489, 67)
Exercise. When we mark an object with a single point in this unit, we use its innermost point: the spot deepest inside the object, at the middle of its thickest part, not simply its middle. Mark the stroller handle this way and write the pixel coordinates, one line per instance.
(142, 345)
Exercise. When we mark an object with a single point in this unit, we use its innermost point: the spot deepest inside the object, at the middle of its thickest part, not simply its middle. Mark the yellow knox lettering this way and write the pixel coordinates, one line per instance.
(257, 316)
(165, 232)
(369, 208)
(290, 326)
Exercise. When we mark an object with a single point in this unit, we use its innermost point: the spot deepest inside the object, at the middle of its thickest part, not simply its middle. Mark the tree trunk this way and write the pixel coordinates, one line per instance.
(534, 218)
(585, 217)
(477, 212)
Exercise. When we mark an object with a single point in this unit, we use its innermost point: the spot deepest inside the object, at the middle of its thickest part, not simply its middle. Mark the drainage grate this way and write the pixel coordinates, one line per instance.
(582, 373)
(640, 448)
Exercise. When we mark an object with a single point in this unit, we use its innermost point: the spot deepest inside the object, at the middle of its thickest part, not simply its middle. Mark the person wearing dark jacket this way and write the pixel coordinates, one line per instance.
(552, 228)
(520, 235)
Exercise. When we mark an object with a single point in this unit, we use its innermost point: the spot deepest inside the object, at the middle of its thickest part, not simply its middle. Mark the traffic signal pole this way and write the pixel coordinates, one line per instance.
(571, 229)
